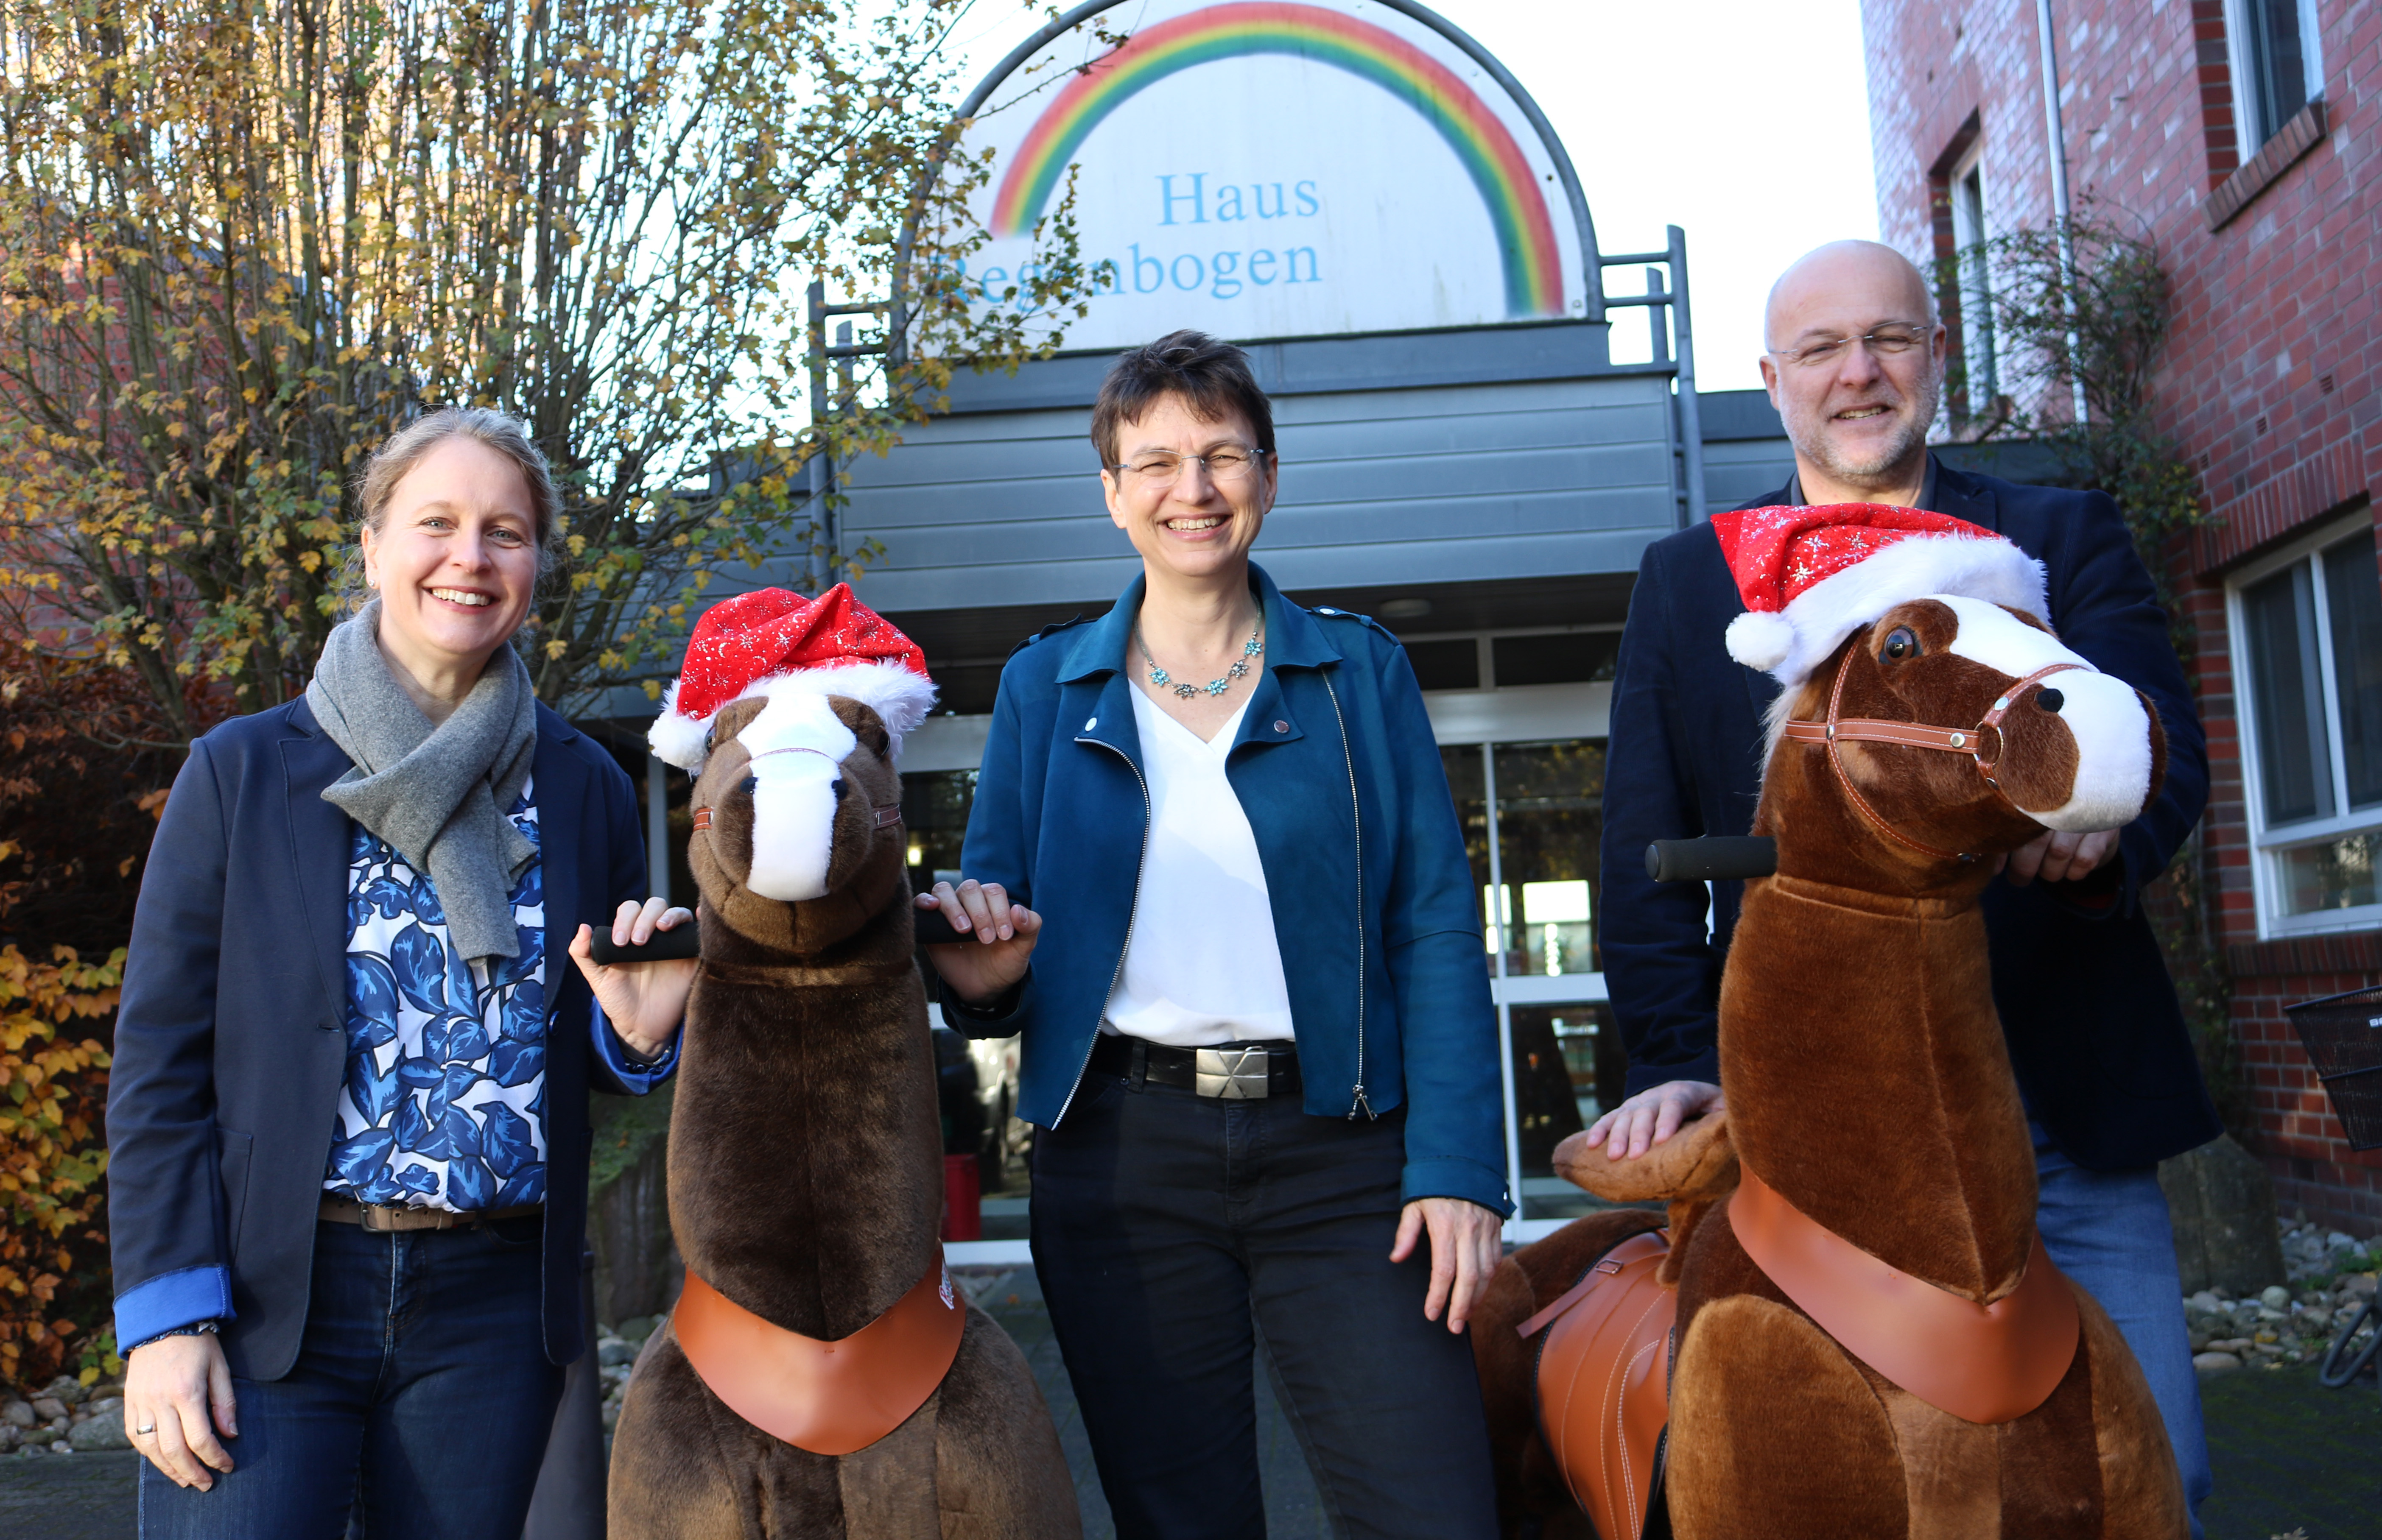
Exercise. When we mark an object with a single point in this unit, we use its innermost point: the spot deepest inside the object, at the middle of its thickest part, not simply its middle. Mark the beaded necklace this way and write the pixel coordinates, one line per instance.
(1161, 678)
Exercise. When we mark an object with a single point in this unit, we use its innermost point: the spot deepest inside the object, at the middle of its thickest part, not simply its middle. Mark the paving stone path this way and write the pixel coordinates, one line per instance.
(1294, 1512)
(2289, 1455)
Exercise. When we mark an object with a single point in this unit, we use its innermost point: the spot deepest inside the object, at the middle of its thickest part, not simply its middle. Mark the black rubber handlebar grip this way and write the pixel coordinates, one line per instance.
(1715, 858)
(686, 941)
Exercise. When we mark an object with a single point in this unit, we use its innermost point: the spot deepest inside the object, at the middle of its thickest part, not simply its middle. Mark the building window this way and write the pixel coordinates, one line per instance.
(1979, 355)
(2307, 629)
(2276, 67)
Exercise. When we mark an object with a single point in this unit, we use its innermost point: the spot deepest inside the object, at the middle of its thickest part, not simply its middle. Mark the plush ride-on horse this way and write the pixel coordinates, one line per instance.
(1855, 1323)
(819, 1375)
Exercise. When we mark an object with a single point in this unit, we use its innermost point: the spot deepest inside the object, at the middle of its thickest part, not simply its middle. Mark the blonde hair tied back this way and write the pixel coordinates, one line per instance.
(403, 449)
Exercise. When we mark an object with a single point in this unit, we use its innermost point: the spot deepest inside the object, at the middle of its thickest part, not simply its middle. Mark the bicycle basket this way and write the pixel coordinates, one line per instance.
(2342, 1034)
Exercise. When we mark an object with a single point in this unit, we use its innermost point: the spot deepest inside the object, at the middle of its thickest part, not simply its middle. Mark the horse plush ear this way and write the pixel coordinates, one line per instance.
(865, 724)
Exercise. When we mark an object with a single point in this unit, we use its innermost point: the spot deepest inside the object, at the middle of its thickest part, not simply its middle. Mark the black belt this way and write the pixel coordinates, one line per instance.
(1243, 1071)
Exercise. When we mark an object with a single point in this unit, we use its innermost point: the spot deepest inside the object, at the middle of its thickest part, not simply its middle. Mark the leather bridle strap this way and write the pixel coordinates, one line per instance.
(1838, 729)
(888, 815)
(2002, 703)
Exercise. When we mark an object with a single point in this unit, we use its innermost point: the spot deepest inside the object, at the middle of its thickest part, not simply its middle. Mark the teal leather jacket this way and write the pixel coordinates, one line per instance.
(1374, 905)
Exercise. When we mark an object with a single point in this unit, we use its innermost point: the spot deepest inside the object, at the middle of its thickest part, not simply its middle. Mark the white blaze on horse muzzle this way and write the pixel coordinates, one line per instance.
(2113, 755)
(798, 746)
(2104, 714)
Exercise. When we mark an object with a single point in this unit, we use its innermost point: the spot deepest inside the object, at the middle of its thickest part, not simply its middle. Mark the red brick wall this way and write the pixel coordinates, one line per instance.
(2312, 1167)
(2272, 382)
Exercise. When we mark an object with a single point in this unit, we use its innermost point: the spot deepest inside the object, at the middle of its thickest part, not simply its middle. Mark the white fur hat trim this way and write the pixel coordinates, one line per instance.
(901, 696)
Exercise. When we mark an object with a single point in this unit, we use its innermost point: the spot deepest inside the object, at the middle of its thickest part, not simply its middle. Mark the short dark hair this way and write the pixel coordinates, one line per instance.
(1212, 376)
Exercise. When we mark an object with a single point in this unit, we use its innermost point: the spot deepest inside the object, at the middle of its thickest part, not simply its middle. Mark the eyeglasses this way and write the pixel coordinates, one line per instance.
(1231, 467)
(1886, 342)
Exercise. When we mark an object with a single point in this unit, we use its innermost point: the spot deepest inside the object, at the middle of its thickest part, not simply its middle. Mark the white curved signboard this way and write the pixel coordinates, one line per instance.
(1263, 168)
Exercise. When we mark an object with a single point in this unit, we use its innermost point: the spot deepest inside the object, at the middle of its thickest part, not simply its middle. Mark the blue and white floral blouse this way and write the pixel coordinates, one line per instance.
(444, 1105)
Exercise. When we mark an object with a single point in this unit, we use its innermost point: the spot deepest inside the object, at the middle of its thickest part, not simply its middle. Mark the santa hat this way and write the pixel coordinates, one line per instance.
(1810, 577)
(770, 643)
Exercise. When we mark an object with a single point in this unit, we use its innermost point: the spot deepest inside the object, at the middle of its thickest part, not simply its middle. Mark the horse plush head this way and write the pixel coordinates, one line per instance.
(798, 835)
(1921, 692)
(1957, 727)
(790, 712)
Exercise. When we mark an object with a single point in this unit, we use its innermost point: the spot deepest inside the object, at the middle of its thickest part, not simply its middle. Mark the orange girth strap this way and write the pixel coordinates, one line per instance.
(1983, 1363)
(829, 1397)
(1604, 1382)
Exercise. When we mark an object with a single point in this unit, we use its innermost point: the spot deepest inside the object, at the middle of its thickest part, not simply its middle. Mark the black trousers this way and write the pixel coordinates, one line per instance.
(1169, 1228)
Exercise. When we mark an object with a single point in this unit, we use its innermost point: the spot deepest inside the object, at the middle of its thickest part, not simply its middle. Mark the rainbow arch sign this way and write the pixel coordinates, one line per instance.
(1279, 168)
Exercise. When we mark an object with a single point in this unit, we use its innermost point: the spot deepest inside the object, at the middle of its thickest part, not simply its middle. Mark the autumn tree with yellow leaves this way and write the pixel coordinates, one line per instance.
(53, 1082)
(241, 241)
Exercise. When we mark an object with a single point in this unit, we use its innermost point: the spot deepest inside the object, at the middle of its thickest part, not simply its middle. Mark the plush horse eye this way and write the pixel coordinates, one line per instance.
(1899, 644)
(751, 784)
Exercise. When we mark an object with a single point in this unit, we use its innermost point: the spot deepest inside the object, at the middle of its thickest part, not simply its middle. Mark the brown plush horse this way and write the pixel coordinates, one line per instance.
(1869, 1340)
(805, 1181)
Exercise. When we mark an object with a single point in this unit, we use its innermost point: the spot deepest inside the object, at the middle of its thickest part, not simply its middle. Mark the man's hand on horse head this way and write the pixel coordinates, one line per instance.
(2052, 856)
(1653, 1116)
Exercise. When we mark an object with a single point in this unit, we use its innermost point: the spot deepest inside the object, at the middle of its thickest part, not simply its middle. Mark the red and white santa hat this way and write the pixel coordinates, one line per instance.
(772, 642)
(1810, 577)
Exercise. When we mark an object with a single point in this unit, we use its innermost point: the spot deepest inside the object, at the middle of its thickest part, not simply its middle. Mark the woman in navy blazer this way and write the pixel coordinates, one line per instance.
(349, 1163)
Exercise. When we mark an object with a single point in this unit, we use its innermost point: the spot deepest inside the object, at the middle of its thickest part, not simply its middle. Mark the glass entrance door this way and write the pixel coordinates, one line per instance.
(1532, 815)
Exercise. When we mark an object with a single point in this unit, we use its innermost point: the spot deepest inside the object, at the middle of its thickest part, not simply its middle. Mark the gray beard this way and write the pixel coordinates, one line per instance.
(1872, 472)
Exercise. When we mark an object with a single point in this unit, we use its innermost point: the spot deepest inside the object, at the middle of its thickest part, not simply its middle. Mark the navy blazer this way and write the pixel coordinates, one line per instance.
(231, 1039)
(2103, 1058)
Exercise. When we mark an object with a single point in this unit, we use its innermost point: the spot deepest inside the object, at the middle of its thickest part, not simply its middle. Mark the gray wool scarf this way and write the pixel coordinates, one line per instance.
(436, 794)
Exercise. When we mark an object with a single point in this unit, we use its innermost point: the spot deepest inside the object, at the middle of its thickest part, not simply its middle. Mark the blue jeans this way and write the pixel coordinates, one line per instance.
(420, 1403)
(2109, 1232)
(1169, 1230)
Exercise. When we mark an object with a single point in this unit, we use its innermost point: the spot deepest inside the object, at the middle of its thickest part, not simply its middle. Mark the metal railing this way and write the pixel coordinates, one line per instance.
(1673, 334)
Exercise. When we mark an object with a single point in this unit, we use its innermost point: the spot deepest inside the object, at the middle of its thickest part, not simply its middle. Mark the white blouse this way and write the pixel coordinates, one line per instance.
(1202, 966)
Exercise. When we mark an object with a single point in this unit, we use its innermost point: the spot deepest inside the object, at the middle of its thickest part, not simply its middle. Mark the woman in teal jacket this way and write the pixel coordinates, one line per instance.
(1256, 1022)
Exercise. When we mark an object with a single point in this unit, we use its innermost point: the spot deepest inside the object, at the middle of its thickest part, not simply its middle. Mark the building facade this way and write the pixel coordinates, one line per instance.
(1483, 420)
(2238, 137)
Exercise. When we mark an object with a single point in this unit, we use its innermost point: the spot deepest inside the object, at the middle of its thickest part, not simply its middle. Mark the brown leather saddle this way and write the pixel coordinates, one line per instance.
(1606, 1347)
(1603, 1383)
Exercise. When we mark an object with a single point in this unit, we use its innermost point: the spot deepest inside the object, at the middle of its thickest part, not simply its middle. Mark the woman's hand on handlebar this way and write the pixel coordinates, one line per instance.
(171, 1387)
(645, 1001)
(1653, 1116)
(1001, 938)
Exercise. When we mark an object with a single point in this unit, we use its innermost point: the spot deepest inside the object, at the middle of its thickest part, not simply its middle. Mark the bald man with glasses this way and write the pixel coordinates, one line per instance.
(1854, 362)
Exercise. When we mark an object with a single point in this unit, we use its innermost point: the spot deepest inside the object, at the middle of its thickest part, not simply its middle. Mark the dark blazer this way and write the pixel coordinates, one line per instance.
(2103, 1058)
(230, 1044)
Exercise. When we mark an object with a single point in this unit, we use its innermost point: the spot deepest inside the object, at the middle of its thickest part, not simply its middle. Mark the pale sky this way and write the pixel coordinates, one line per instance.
(1744, 122)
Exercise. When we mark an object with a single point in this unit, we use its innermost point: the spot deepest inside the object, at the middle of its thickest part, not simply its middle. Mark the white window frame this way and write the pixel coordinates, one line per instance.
(1980, 339)
(2267, 845)
(2249, 87)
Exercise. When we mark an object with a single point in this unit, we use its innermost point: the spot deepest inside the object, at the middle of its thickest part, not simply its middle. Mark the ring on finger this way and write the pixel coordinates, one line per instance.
(143, 1433)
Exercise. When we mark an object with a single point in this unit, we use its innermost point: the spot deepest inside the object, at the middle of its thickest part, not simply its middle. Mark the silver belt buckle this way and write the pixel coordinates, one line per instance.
(1231, 1074)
